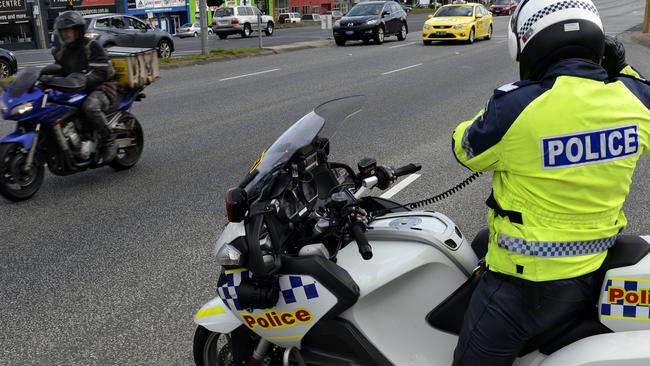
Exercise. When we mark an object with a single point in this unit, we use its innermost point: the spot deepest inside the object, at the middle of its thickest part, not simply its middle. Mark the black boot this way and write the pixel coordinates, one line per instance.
(109, 148)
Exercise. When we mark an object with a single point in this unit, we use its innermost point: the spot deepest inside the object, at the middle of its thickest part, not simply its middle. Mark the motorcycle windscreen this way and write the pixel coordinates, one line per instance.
(324, 121)
(25, 80)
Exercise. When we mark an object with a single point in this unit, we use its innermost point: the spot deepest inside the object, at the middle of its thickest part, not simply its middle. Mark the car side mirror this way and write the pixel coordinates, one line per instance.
(385, 13)
(479, 16)
(430, 16)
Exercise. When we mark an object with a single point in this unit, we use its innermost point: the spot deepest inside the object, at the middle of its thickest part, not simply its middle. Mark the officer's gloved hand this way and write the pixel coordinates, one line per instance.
(614, 56)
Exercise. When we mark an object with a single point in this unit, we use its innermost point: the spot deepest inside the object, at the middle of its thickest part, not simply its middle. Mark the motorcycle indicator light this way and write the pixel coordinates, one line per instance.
(228, 255)
(22, 109)
(236, 204)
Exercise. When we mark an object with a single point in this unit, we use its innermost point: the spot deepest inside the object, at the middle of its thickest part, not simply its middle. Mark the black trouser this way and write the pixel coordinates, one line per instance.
(505, 312)
(94, 107)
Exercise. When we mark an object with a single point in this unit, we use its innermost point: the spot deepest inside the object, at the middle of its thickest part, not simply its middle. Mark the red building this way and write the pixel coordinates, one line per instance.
(310, 6)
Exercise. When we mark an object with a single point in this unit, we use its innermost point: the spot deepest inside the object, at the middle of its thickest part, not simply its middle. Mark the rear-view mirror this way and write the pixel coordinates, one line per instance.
(385, 14)
(479, 16)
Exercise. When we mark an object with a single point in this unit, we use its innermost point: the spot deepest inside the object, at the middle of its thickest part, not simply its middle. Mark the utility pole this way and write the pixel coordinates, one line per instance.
(646, 21)
(203, 9)
(37, 10)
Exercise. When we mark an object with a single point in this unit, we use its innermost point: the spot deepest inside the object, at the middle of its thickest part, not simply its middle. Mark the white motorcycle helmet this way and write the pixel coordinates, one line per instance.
(543, 32)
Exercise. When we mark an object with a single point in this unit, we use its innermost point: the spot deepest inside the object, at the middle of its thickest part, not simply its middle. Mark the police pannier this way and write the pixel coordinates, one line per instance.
(134, 67)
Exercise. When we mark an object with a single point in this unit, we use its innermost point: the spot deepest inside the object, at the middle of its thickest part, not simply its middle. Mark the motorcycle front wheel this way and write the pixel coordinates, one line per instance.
(212, 349)
(15, 183)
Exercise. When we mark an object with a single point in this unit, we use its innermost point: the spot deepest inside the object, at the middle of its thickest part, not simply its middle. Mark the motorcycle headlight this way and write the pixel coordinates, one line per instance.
(228, 255)
(460, 26)
(427, 27)
(371, 22)
(22, 109)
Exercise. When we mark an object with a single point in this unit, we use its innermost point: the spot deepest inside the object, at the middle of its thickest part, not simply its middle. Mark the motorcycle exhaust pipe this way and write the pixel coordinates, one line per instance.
(292, 356)
(259, 353)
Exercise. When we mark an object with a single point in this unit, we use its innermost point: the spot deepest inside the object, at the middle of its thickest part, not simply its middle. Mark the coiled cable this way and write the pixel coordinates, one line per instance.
(445, 194)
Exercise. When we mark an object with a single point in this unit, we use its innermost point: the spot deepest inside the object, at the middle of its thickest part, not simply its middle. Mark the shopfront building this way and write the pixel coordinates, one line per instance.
(16, 25)
(167, 15)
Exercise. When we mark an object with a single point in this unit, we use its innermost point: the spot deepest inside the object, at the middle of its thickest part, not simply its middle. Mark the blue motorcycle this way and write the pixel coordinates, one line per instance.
(50, 130)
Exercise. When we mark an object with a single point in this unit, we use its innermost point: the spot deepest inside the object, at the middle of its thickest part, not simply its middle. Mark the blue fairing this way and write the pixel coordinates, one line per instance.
(35, 96)
(128, 99)
(24, 138)
(69, 98)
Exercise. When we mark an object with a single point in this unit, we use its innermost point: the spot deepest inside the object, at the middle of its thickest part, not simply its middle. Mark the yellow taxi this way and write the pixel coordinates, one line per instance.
(458, 22)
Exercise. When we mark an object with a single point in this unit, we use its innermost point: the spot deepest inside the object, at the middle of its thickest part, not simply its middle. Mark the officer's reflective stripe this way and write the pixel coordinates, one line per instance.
(97, 65)
(467, 146)
(554, 248)
(590, 147)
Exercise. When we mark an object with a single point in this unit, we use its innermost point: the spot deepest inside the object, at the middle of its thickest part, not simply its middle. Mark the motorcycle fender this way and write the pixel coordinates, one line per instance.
(624, 348)
(216, 317)
(24, 138)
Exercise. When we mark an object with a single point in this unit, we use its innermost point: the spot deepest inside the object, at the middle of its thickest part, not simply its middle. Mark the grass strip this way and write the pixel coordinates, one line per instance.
(214, 54)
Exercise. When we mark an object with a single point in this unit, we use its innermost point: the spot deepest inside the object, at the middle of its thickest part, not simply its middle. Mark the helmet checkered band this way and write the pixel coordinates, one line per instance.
(554, 249)
(562, 5)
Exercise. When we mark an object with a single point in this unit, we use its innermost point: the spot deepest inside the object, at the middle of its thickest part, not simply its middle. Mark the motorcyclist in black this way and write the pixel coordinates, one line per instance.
(77, 54)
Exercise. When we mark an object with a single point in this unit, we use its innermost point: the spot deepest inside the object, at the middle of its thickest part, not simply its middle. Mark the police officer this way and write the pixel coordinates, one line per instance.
(76, 54)
(562, 143)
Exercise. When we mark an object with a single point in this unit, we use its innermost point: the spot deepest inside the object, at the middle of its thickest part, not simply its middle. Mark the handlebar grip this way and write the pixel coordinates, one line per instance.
(407, 169)
(356, 230)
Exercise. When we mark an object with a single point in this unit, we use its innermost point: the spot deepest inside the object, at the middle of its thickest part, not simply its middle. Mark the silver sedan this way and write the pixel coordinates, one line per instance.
(191, 30)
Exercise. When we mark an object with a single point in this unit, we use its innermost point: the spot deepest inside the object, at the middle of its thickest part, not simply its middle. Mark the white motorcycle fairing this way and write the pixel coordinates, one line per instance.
(216, 317)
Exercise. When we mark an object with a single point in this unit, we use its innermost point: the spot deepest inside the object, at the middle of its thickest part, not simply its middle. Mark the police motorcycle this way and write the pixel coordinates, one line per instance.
(316, 272)
(50, 130)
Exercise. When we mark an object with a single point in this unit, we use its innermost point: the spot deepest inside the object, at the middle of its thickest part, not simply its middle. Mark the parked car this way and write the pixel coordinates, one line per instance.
(126, 31)
(240, 20)
(289, 18)
(8, 63)
(458, 22)
(373, 20)
(407, 8)
(336, 14)
(191, 30)
(505, 7)
(310, 18)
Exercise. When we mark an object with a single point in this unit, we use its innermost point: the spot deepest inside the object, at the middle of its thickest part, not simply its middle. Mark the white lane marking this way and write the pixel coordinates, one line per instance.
(402, 45)
(402, 69)
(251, 74)
(399, 186)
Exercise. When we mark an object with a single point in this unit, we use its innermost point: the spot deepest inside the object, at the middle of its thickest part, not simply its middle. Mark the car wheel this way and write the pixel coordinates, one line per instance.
(339, 41)
(470, 39)
(196, 34)
(379, 35)
(489, 35)
(210, 32)
(426, 42)
(222, 35)
(247, 31)
(164, 49)
(402, 34)
(269, 29)
(5, 69)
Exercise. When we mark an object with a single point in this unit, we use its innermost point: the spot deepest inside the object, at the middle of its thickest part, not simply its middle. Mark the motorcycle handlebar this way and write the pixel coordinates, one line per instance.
(406, 170)
(356, 230)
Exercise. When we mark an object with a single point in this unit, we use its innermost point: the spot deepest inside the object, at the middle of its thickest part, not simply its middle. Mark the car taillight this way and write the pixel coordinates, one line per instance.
(236, 204)
(235, 21)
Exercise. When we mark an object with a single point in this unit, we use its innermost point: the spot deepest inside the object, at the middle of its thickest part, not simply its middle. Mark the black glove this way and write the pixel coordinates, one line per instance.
(614, 56)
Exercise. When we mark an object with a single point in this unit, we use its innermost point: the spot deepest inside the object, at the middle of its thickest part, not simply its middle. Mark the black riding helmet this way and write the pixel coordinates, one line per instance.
(71, 19)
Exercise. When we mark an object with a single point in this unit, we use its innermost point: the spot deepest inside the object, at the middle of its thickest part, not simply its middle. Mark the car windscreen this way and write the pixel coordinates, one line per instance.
(365, 9)
(224, 12)
(502, 2)
(455, 11)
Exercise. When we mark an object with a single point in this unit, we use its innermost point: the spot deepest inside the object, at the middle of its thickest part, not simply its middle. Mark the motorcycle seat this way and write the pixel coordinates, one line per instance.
(448, 315)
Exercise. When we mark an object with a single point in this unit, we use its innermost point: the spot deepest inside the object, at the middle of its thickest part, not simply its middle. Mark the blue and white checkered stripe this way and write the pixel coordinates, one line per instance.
(621, 309)
(293, 289)
(554, 248)
(555, 7)
(228, 291)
